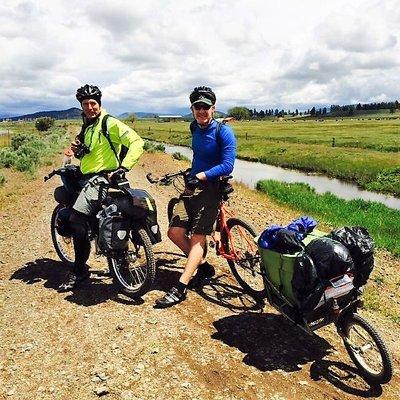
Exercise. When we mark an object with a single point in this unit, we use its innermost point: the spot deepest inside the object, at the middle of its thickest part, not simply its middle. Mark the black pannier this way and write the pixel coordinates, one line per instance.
(138, 205)
(113, 229)
(361, 247)
(63, 225)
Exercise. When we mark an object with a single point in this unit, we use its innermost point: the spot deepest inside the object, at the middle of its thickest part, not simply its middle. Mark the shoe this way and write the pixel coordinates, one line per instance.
(172, 297)
(204, 272)
(73, 280)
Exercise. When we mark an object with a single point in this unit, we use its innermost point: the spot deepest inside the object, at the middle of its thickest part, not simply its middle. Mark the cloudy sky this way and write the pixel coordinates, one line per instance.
(147, 55)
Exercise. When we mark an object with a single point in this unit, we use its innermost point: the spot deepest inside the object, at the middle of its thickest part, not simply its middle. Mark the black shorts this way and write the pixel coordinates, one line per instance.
(197, 213)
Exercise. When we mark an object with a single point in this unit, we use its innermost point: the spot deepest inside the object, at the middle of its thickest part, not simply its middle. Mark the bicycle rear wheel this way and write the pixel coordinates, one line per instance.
(367, 350)
(246, 266)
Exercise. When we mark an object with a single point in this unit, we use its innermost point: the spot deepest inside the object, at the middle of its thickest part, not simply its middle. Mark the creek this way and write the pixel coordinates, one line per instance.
(248, 173)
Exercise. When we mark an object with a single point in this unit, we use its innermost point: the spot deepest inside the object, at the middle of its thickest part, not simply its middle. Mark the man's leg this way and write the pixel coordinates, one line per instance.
(81, 242)
(179, 237)
(195, 256)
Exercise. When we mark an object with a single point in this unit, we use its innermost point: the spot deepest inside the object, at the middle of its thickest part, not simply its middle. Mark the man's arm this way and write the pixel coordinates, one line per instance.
(129, 138)
(228, 155)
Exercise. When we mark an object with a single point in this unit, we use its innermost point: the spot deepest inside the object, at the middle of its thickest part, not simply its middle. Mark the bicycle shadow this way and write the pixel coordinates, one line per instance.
(218, 291)
(168, 272)
(344, 377)
(269, 341)
(97, 289)
(215, 290)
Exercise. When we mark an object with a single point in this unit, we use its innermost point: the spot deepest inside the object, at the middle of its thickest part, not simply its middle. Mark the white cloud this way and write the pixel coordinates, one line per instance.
(149, 55)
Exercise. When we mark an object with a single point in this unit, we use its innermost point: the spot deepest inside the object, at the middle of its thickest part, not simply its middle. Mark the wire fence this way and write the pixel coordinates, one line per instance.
(5, 138)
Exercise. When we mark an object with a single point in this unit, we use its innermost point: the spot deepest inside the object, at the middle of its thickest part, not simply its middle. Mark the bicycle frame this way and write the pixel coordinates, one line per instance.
(224, 214)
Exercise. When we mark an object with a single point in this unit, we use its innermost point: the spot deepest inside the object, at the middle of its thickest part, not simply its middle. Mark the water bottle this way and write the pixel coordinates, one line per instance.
(67, 159)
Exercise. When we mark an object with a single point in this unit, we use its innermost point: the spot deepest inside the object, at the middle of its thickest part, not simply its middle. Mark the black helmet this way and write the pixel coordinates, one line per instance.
(202, 94)
(88, 92)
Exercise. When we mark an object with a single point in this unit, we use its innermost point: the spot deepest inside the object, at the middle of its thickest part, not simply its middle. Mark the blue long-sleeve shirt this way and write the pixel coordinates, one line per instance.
(215, 157)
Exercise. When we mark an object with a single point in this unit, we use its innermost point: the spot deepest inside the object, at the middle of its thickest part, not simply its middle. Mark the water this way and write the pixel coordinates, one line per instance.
(248, 173)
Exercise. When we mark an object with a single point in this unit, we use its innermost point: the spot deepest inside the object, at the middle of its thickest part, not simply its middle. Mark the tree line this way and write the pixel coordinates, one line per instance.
(241, 113)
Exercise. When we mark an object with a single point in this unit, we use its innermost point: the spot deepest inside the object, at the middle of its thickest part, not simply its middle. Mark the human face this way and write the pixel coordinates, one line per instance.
(203, 113)
(91, 108)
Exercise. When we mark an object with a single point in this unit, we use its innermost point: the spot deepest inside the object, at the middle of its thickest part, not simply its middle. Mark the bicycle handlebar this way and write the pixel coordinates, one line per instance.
(167, 178)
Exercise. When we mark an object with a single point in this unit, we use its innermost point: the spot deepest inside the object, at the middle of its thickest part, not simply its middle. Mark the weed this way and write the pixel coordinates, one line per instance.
(179, 156)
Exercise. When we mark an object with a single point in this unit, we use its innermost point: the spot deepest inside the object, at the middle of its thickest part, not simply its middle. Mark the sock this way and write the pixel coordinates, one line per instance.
(181, 287)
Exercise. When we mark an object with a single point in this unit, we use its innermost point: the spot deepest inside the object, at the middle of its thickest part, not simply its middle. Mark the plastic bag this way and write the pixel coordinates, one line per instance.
(330, 258)
(361, 247)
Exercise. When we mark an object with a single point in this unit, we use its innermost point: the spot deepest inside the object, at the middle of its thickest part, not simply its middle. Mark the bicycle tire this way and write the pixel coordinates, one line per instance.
(134, 270)
(63, 246)
(385, 372)
(247, 268)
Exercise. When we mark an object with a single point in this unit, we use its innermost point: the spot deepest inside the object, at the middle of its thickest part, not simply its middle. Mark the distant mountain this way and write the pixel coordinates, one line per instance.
(71, 113)
(217, 114)
(139, 114)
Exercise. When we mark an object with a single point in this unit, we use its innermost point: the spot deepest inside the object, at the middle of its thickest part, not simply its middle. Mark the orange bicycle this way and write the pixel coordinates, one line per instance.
(233, 238)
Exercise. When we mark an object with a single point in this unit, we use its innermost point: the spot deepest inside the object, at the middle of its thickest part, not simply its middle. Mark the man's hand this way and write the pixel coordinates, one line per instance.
(192, 183)
(117, 174)
(75, 145)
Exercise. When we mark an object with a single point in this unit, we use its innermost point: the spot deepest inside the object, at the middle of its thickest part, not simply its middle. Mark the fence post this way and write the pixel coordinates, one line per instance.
(333, 142)
(246, 135)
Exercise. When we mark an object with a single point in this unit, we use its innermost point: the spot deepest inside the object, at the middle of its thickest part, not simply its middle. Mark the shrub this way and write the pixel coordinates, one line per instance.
(131, 118)
(19, 139)
(179, 156)
(44, 124)
(24, 163)
(8, 158)
(159, 147)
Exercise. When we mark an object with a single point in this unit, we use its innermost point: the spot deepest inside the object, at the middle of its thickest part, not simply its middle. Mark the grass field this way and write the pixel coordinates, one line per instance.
(382, 222)
(362, 151)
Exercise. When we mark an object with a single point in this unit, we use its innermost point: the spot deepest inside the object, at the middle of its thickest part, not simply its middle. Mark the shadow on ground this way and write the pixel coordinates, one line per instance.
(344, 377)
(269, 341)
(51, 274)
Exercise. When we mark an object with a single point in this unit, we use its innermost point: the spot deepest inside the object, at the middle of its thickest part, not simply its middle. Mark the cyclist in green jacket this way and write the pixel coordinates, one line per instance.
(99, 160)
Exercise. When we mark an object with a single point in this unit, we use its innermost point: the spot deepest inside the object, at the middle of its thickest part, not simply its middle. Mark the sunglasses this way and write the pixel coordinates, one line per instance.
(198, 107)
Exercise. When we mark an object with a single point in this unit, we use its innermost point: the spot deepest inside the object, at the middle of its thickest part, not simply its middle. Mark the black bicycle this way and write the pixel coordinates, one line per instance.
(133, 230)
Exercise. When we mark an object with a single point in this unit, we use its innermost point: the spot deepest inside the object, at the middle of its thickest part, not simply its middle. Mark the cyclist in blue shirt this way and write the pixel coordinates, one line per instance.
(214, 153)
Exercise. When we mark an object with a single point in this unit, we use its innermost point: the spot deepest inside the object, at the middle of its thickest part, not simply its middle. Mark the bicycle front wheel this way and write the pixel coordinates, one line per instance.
(62, 244)
(367, 350)
(134, 270)
(246, 264)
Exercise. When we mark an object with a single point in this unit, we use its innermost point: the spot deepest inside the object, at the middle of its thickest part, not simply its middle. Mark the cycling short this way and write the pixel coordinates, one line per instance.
(197, 213)
(91, 195)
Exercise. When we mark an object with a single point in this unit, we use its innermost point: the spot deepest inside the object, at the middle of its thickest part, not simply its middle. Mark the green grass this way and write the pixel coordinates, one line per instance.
(365, 151)
(28, 148)
(382, 222)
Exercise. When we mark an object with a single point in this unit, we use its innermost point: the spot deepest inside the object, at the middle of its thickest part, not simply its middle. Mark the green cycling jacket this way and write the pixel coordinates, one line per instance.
(101, 156)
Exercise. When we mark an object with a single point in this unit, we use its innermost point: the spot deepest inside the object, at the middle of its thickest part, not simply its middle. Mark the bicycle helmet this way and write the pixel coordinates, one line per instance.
(202, 94)
(88, 92)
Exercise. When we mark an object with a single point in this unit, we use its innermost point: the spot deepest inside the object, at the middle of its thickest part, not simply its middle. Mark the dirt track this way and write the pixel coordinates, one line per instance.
(218, 344)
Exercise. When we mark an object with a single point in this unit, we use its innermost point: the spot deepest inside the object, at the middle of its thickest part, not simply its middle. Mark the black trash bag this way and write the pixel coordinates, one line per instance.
(286, 241)
(330, 258)
(361, 247)
(307, 287)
